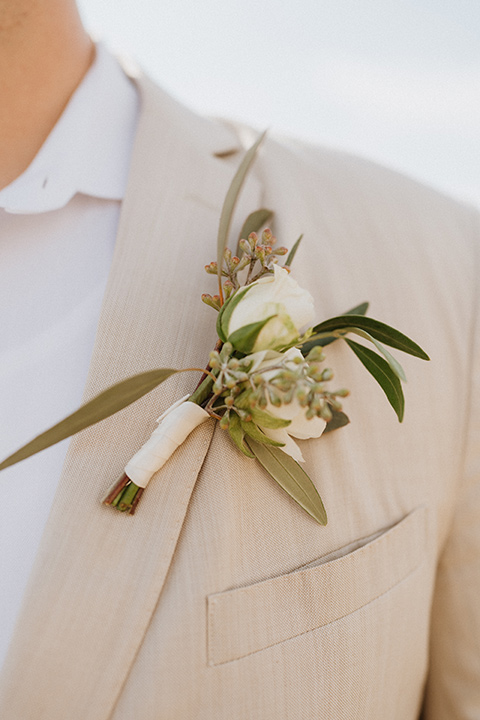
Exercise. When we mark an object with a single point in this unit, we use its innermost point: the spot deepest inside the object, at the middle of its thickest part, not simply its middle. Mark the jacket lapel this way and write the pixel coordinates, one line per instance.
(99, 574)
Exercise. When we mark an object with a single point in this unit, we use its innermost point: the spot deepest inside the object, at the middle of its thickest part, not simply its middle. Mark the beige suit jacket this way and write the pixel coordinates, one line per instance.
(221, 599)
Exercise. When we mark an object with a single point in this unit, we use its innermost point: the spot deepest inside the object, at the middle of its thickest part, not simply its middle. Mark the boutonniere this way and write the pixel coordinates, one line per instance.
(265, 382)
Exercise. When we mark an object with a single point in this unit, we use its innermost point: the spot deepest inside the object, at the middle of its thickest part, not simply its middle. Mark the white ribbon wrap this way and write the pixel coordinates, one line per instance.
(175, 426)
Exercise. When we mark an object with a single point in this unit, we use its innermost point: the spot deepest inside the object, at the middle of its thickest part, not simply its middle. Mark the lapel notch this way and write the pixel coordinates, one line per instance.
(99, 574)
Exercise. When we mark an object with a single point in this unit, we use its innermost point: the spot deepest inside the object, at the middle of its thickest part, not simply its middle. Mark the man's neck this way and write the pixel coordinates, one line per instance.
(44, 54)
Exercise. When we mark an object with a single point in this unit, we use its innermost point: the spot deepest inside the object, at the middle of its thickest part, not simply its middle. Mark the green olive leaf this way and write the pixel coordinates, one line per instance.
(231, 201)
(293, 251)
(380, 331)
(383, 374)
(393, 362)
(291, 477)
(107, 403)
(326, 338)
(250, 429)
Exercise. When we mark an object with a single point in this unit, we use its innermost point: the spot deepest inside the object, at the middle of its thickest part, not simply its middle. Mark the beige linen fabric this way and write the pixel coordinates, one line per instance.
(221, 598)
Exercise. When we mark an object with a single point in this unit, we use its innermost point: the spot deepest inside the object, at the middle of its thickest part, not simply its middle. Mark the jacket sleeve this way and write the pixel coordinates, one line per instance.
(453, 684)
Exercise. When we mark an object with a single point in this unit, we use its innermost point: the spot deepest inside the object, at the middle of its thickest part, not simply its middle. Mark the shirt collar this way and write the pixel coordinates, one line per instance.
(88, 151)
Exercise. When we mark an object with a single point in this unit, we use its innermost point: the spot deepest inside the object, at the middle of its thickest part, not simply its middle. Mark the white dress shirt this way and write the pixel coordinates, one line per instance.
(58, 223)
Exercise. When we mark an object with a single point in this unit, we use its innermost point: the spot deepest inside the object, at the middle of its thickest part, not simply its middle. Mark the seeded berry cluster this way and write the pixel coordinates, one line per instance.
(258, 258)
(238, 389)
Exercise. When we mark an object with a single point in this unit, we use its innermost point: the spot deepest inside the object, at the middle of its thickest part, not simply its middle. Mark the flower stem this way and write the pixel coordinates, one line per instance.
(218, 347)
(124, 495)
(125, 502)
(253, 262)
(115, 490)
(202, 391)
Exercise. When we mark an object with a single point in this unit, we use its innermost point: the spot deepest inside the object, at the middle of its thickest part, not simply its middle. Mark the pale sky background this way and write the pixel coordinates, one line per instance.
(398, 82)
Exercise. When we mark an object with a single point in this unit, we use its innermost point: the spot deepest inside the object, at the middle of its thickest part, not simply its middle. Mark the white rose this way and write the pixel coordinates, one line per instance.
(300, 427)
(268, 314)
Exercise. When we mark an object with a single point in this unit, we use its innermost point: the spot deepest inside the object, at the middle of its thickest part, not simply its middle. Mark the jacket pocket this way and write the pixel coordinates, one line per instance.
(252, 618)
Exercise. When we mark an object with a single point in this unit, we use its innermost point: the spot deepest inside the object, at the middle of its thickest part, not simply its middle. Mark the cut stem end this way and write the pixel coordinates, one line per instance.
(124, 495)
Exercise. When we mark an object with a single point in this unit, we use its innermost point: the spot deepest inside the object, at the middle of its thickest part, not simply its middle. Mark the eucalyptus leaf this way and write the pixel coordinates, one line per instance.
(249, 428)
(231, 201)
(107, 403)
(380, 331)
(245, 337)
(237, 434)
(293, 251)
(291, 477)
(339, 420)
(383, 374)
(253, 223)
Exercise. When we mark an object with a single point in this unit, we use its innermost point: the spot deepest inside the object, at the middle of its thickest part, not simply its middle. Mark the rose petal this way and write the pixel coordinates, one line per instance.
(303, 429)
(278, 332)
(278, 290)
(298, 301)
(290, 446)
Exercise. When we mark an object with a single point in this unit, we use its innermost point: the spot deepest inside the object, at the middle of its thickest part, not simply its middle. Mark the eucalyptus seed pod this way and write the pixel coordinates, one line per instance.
(225, 420)
(302, 396)
(326, 413)
(315, 373)
(212, 301)
(260, 253)
(211, 268)
(274, 397)
(262, 403)
(228, 289)
(226, 351)
(244, 245)
(267, 236)
(297, 360)
(218, 385)
(229, 381)
(246, 259)
(315, 355)
(214, 359)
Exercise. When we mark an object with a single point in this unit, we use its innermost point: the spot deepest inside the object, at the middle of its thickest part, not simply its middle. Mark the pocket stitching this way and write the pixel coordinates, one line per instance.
(383, 541)
(323, 625)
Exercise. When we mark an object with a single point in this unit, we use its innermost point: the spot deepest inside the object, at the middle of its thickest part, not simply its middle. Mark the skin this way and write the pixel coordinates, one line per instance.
(44, 54)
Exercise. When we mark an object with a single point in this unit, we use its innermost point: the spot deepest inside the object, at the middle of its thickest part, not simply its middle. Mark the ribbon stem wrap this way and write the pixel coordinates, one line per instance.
(175, 426)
